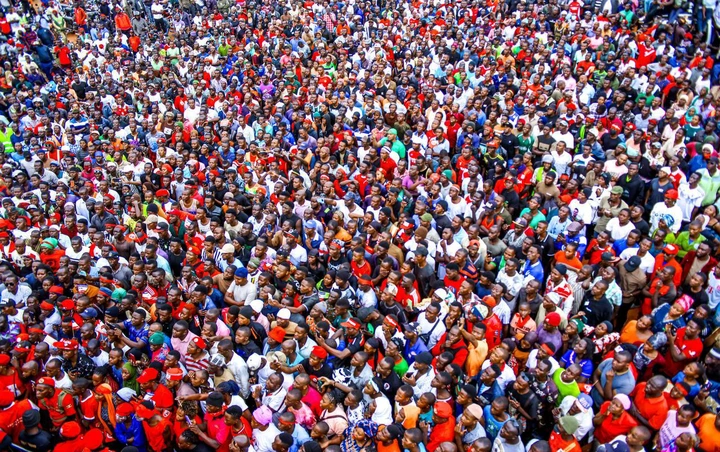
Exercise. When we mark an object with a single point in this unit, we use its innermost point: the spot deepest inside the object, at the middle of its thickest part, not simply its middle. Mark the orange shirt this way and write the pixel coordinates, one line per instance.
(660, 263)
(557, 443)
(575, 263)
(392, 447)
(655, 410)
(709, 435)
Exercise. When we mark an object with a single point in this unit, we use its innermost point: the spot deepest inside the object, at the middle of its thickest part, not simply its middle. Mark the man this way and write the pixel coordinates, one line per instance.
(684, 346)
(613, 376)
(667, 211)
(353, 337)
(631, 279)
(240, 292)
(649, 405)
(59, 404)
(596, 308)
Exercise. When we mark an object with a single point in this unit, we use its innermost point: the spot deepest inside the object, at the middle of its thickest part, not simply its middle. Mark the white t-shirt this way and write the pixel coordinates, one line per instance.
(647, 262)
(688, 199)
(713, 291)
(243, 294)
(672, 215)
(617, 231)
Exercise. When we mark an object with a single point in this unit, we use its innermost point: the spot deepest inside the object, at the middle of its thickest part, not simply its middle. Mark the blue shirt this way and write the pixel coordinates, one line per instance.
(122, 433)
(534, 270)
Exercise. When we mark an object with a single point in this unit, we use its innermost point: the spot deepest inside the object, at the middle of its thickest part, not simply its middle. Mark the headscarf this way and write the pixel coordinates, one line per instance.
(132, 381)
(349, 444)
(106, 391)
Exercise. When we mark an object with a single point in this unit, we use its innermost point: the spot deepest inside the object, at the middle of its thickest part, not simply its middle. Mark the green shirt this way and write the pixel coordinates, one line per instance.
(565, 389)
(397, 147)
(686, 244)
(536, 219)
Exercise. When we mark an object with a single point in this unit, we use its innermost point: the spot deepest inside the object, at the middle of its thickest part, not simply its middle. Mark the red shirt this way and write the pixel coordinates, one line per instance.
(690, 348)
(60, 407)
(610, 428)
(493, 332)
(655, 410)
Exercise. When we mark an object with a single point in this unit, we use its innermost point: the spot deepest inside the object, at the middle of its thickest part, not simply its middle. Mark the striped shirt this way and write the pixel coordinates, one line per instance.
(201, 363)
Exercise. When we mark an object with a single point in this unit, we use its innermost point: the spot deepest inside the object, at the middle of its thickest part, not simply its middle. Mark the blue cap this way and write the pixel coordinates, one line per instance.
(241, 272)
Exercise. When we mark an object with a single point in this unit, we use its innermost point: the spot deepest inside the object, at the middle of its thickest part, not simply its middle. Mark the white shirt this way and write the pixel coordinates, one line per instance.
(617, 231)
(647, 262)
(689, 199)
(438, 329)
(263, 441)
(243, 294)
(713, 291)
(662, 211)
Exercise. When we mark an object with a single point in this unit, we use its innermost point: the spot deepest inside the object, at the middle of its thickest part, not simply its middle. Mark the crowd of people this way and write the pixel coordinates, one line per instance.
(359, 226)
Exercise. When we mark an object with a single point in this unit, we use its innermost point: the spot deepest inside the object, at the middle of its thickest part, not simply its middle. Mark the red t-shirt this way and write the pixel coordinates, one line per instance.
(690, 348)
(610, 428)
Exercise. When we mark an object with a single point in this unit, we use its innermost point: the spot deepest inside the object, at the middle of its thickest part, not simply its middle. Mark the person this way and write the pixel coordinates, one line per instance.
(288, 221)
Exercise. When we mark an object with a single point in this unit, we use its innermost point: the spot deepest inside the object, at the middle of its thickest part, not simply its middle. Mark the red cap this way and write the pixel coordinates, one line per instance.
(70, 430)
(671, 194)
(148, 375)
(125, 409)
(45, 306)
(47, 381)
(162, 192)
(4, 359)
(319, 352)
(553, 319)
(174, 374)
(57, 289)
(67, 305)
(351, 323)
(67, 344)
(199, 342)
(277, 334)
(670, 249)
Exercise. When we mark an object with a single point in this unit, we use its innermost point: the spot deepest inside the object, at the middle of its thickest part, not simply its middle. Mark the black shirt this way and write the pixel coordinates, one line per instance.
(41, 441)
(596, 311)
(389, 385)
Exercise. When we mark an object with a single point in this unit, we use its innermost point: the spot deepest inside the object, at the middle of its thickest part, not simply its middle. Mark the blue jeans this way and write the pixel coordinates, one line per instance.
(702, 18)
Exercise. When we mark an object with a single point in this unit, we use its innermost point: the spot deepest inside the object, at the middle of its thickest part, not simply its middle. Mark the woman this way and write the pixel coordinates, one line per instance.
(667, 314)
(360, 438)
(105, 416)
(637, 331)
(129, 376)
(186, 411)
(333, 415)
(710, 224)
(581, 354)
(648, 356)
(613, 419)
(603, 339)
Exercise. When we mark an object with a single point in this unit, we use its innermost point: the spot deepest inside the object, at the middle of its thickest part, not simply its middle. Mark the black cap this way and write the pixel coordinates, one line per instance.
(633, 263)
(424, 358)
(215, 399)
(31, 418)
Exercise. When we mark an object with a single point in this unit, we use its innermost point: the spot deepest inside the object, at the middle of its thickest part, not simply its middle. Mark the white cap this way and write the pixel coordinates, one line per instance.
(151, 219)
(227, 249)
(254, 362)
(284, 314)
(257, 305)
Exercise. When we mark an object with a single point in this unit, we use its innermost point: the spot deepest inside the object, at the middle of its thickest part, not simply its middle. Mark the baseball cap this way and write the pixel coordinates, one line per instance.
(351, 323)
